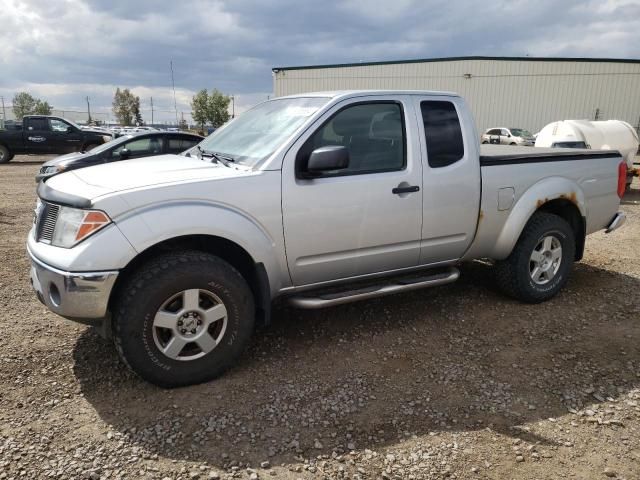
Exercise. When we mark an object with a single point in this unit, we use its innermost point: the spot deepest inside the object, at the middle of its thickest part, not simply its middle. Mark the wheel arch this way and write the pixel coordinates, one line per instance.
(557, 195)
(253, 272)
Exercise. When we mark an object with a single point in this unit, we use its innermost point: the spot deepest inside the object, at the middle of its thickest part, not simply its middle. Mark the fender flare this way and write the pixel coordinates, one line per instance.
(148, 226)
(546, 190)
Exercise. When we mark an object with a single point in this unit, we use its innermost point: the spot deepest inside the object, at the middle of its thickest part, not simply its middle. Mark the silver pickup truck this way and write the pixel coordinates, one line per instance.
(317, 199)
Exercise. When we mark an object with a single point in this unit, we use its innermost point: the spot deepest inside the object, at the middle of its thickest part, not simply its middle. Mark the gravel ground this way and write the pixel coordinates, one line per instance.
(454, 382)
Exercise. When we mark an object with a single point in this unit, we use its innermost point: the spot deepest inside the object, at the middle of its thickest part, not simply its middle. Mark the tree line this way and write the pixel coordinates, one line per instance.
(207, 108)
(26, 104)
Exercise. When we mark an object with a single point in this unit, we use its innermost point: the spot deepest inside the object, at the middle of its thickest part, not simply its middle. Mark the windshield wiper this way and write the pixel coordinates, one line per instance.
(218, 157)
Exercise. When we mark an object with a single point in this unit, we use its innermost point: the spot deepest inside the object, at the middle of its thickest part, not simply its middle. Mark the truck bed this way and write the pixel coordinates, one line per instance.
(516, 181)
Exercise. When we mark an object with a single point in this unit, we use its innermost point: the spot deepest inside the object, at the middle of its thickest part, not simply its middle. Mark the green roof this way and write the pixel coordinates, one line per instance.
(456, 59)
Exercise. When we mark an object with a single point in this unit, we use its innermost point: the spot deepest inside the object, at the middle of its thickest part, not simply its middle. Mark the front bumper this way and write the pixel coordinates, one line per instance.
(75, 295)
(616, 222)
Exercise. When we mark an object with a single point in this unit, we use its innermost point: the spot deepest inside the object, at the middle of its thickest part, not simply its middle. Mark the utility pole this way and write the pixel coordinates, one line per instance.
(173, 84)
(88, 111)
(152, 111)
(4, 113)
(233, 106)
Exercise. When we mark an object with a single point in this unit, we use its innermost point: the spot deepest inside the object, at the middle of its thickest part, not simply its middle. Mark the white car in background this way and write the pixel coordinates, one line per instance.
(508, 136)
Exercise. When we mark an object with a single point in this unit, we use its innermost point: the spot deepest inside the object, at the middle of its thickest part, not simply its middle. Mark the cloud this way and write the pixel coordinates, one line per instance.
(64, 50)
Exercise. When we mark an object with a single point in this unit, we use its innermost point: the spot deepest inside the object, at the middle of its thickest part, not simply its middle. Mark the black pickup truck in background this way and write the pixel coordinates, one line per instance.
(41, 135)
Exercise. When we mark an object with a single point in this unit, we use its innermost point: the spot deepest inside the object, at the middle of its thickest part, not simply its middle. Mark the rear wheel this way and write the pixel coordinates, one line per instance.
(485, 142)
(541, 261)
(183, 319)
(5, 154)
(512, 143)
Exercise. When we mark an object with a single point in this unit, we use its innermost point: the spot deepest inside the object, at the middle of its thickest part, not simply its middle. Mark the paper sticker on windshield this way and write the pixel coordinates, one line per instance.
(300, 111)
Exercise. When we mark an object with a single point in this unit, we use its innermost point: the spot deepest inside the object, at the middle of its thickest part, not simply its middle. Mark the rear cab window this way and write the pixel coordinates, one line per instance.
(443, 133)
(38, 125)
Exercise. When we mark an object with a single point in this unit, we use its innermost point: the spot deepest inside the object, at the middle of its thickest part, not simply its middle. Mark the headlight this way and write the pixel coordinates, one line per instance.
(107, 138)
(74, 225)
(52, 169)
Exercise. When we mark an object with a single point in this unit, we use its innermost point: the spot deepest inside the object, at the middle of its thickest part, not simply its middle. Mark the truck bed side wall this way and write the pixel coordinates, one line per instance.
(591, 185)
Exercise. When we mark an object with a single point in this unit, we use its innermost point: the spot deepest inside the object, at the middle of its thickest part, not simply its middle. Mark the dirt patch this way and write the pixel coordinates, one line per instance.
(453, 382)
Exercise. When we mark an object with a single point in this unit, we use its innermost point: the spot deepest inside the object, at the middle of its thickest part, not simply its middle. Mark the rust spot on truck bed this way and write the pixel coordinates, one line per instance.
(480, 216)
(541, 202)
(572, 197)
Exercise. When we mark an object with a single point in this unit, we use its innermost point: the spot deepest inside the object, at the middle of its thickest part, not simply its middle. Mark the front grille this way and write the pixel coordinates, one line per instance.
(46, 222)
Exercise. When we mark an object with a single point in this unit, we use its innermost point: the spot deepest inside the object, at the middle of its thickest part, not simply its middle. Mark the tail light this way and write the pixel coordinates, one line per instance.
(622, 179)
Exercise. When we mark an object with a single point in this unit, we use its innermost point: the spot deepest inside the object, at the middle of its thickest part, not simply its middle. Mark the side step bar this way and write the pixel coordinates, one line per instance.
(398, 285)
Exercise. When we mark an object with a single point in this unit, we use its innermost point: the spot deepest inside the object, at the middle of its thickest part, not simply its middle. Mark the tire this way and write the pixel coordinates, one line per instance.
(517, 275)
(157, 294)
(5, 154)
(485, 142)
(513, 143)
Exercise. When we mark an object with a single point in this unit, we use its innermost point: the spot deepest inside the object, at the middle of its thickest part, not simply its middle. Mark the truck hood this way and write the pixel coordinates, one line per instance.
(145, 172)
(80, 187)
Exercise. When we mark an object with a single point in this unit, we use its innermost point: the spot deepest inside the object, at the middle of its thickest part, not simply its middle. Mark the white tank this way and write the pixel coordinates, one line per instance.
(598, 135)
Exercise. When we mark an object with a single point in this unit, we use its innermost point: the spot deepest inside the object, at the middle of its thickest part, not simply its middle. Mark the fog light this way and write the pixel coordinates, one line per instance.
(54, 295)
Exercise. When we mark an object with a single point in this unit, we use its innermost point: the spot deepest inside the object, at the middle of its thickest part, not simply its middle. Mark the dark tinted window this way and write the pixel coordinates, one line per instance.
(569, 145)
(495, 131)
(141, 147)
(37, 124)
(373, 133)
(443, 133)
(180, 144)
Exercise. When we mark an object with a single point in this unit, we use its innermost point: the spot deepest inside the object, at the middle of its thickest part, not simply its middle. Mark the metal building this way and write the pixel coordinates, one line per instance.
(523, 92)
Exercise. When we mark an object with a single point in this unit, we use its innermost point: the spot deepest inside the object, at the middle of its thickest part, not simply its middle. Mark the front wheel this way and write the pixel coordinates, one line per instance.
(5, 154)
(89, 146)
(540, 263)
(183, 319)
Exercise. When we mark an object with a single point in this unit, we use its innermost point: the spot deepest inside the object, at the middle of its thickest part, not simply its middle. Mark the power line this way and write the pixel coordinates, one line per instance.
(173, 84)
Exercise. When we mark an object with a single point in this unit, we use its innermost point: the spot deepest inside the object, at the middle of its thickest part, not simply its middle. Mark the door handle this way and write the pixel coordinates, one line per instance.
(409, 189)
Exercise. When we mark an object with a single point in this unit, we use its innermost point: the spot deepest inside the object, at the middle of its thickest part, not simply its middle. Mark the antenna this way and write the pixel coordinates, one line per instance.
(175, 105)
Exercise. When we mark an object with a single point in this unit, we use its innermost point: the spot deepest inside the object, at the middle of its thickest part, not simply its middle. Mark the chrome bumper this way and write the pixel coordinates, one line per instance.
(77, 296)
(616, 222)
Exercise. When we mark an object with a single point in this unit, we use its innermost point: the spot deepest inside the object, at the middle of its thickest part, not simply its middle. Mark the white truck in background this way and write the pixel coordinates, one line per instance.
(596, 135)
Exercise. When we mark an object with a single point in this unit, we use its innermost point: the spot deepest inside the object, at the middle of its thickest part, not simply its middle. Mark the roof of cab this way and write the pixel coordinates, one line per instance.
(360, 93)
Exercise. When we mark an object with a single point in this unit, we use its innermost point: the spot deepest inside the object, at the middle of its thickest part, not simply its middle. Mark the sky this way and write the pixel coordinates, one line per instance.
(65, 50)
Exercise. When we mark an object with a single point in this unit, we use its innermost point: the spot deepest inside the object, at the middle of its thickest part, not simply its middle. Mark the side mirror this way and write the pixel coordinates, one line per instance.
(124, 154)
(509, 135)
(69, 129)
(324, 159)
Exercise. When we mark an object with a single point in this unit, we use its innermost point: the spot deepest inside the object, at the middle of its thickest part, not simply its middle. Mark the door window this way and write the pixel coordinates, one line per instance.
(443, 133)
(58, 125)
(495, 131)
(38, 124)
(142, 147)
(504, 132)
(373, 133)
(179, 145)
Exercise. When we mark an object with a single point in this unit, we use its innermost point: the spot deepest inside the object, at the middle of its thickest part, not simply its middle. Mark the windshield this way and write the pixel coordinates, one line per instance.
(519, 132)
(257, 133)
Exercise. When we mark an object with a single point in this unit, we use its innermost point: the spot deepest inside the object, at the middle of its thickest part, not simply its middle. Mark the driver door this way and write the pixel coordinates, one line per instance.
(64, 137)
(366, 218)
